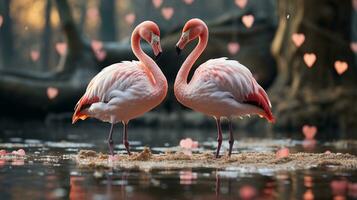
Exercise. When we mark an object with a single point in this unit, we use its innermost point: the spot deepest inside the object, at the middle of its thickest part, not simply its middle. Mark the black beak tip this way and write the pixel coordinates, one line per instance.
(158, 56)
(178, 50)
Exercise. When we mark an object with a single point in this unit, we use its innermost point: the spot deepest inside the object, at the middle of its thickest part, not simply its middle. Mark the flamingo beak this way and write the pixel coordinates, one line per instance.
(156, 46)
(182, 42)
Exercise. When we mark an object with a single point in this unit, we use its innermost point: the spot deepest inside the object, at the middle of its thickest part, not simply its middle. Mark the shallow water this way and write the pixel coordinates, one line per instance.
(48, 173)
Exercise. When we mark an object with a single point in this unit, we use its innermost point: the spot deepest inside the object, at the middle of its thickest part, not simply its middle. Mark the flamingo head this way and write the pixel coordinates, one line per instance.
(150, 32)
(192, 29)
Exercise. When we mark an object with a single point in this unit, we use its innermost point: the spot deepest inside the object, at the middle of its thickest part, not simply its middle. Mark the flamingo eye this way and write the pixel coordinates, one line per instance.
(154, 39)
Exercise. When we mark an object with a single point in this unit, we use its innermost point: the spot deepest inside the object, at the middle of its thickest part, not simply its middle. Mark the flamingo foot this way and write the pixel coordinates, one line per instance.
(125, 138)
(110, 141)
(231, 139)
(219, 136)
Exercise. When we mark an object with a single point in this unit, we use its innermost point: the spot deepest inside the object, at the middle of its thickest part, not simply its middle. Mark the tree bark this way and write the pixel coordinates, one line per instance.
(316, 95)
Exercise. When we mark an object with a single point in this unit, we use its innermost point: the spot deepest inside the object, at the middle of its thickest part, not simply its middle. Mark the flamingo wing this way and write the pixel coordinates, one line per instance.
(229, 78)
(115, 80)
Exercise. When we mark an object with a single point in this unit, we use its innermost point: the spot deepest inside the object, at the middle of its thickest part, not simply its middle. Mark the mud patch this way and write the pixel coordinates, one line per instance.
(246, 161)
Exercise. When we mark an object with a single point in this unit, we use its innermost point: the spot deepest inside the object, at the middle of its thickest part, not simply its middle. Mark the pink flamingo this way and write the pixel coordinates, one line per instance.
(219, 87)
(126, 90)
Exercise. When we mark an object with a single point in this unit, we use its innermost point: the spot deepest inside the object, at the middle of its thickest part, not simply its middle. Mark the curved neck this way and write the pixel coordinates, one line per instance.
(182, 75)
(159, 79)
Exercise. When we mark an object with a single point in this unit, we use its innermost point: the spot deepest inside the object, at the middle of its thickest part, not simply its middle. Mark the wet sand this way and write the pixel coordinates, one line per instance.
(246, 161)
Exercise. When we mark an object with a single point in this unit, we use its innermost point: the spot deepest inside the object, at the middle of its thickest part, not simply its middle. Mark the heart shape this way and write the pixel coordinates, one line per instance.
(309, 132)
(96, 45)
(188, 143)
(92, 13)
(241, 3)
(167, 12)
(298, 39)
(354, 47)
(247, 192)
(35, 55)
(310, 59)
(282, 153)
(130, 18)
(61, 48)
(233, 47)
(341, 67)
(188, 2)
(52, 92)
(1, 20)
(100, 54)
(157, 3)
(248, 20)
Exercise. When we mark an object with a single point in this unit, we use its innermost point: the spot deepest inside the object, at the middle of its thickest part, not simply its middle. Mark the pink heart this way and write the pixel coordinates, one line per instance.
(100, 55)
(298, 39)
(233, 47)
(354, 47)
(188, 143)
(188, 2)
(61, 48)
(309, 131)
(35, 55)
(282, 153)
(96, 45)
(308, 195)
(248, 20)
(310, 59)
(167, 12)
(1, 20)
(157, 3)
(341, 67)
(52, 92)
(92, 13)
(130, 18)
(354, 4)
(247, 192)
(241, 3)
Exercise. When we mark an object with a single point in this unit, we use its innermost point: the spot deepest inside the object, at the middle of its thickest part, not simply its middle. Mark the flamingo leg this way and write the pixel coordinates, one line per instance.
(125, 137)
(231, 138)
(110, 140)
(219, 136)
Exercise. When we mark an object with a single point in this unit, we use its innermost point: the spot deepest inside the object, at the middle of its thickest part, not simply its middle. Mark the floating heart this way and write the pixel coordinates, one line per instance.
(52, 92)
(167, 12)
(188, 143)
(61, 48)
(248, 20)
(35, 55)
(310, 59)
(1, 20)
(309, 131)
(282, 153)
(100, 54)
(308, 195)
(241, 3)
(96, 45)
(247, 192)
(157, 3)
(341, 67)
(92, 13)
(130, 18)
(308, 181)
(188, 2)
(298, 39)
(354, 47)
(233, 47)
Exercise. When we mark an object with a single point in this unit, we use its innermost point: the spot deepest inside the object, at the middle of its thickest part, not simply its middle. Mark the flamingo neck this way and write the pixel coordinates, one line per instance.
(181, 84)
(153, 71)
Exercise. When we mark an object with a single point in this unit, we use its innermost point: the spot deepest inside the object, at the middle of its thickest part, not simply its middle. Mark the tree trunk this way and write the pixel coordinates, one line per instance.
(316, 95)
(6, 36)
(108, 25)
(47, 33)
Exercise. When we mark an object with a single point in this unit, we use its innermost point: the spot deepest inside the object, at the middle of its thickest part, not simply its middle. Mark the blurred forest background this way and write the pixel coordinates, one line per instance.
(302, 51)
